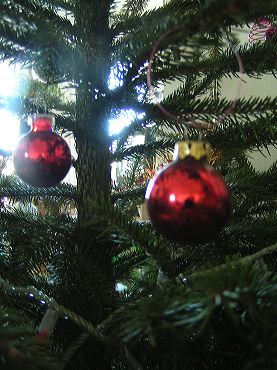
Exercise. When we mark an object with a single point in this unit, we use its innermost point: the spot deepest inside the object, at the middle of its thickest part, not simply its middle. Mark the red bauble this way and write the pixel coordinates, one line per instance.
(188, 201)
(270, 33)
(42, 158)
(262, 30)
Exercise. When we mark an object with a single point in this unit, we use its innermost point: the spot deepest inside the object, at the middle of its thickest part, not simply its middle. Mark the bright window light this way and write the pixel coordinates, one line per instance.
(8, 78)
(9, 130)
(9, 122)
(116, 77)
(124, 119)
(125, 116)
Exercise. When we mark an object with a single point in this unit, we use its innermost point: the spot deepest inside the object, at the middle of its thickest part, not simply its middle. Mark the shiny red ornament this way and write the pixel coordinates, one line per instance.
(262, 30)
(270, 33)
(42, 158)
(188, 200)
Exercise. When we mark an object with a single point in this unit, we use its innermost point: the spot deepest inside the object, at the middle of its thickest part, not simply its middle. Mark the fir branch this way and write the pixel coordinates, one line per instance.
(144, 150)
(128, 259)
(237, 303)
(52, 226)
(43, 10)
(38, 100)
(74, 347)
(240, 233)
(186, 311)
(132, 361)
(33, 43)
(32, 292)
(16, 190)
(248, 259)
(120, 224)
(67, 5)
(30, 16)
(257, 59)
(133, 194)
(246, 135)
(18, 347)
(131, 8)
(245, 180)
(247, 132)
(207, 107)
(209, 22)
(135, 127)
(33, 241)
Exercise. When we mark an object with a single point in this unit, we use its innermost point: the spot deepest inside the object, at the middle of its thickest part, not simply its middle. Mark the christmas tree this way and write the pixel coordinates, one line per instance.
(202, 303)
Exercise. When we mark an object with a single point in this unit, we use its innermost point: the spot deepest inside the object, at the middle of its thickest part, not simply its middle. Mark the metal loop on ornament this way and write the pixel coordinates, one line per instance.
(197, 125)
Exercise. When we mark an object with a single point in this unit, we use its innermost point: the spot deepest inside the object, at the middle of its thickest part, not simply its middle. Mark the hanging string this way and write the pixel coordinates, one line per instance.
(192, 122)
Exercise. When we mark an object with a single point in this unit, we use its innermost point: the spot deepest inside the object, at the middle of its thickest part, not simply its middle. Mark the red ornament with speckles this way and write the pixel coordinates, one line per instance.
(188, 201)
(270, 33)
(42, 158)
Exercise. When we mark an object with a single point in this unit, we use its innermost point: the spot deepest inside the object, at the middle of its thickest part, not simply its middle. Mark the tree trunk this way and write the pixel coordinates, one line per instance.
(91, 285)
(93, 174)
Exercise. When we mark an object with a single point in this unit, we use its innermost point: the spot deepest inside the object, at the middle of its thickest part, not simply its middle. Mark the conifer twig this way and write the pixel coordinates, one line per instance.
(263, 252)
(74, 348)
(90, 330)
(32, 292)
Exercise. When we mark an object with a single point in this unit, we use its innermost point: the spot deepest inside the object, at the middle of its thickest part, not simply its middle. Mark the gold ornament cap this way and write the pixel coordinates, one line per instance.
(199, 150)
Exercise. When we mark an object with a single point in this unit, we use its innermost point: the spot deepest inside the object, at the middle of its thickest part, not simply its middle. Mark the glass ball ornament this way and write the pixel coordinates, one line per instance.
(42, 158)
(188, 200)
(261, 31)
(270, 33)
